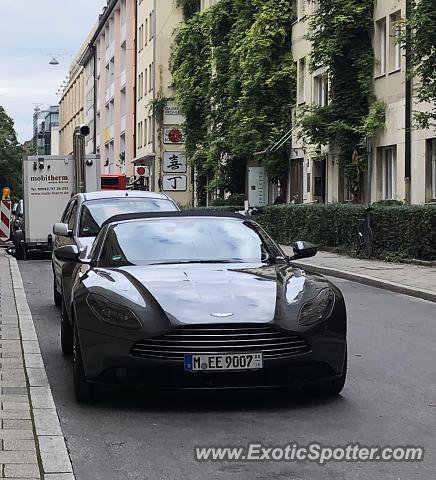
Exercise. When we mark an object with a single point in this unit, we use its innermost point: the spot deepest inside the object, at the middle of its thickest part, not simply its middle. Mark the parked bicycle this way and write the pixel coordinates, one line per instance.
(365, 236)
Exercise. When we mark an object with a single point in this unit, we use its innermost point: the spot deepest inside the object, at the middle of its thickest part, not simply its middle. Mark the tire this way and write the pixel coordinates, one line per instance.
(57, 297)
(332, 388)
(84, 391)
(66, 332)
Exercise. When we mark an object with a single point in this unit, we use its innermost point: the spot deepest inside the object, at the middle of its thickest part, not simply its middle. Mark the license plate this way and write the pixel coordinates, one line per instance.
(225, 362)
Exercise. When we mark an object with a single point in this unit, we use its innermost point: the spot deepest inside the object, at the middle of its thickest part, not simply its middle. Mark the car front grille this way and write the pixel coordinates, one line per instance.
(221, 339)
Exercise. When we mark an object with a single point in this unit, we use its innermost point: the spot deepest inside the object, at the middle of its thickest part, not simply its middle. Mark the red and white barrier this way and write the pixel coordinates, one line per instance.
(5, 219)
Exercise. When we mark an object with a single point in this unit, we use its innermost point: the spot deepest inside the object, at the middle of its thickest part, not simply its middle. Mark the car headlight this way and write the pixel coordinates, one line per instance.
(318, 308)
(113, 314)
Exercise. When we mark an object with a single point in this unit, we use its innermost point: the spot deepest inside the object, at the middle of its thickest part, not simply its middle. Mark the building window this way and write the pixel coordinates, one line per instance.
(123, 13)
(140, 135)
(111, 112)
(123, 57)
(145, 132)
(387, 172)
(123, 102)
(146, 31)
(150, 25)
(321, 90)
(140, 38)
(430, 170)
(150, 77)
(112, 71)
(140, 86)
(301, 80)
(394, 42)
(150, 130)
(381, 46)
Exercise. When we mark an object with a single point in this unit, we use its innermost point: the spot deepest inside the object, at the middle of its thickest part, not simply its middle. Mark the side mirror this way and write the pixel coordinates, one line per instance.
(69, 253)
(61, 230)
(304, 250)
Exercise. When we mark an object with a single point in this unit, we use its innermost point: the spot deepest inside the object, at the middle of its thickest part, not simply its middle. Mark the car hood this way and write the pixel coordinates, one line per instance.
(231, 293)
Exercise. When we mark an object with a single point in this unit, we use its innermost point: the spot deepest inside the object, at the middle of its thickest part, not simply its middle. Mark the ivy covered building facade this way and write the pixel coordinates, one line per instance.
(346, 128)
(400, 159)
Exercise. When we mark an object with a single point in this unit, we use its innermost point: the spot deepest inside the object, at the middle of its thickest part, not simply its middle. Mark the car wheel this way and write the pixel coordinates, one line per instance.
(332, 388)
(84, 391)
(57, 297)
(66, 332)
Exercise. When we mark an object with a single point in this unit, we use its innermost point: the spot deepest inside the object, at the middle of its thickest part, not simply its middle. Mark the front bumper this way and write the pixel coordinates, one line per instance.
(107, 360)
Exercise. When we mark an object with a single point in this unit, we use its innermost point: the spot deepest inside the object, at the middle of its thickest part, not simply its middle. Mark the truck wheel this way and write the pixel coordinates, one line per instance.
(57, 297)
(19, 252)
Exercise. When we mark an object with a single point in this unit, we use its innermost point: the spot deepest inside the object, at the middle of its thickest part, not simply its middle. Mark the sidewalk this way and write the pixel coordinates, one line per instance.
(31, 442)
(413, 280)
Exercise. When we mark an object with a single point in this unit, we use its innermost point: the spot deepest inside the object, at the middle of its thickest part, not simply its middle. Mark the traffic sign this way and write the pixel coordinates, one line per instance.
(5, 219)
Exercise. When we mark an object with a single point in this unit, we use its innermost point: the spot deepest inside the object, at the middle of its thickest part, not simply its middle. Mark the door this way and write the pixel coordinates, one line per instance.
(319, 180)
(296, 180)
(69, 217)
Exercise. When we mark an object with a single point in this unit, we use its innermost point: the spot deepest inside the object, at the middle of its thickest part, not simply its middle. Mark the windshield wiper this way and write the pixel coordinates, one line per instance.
(181, 262)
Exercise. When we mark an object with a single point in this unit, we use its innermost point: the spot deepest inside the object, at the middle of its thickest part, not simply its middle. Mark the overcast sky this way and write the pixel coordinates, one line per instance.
(31, 30)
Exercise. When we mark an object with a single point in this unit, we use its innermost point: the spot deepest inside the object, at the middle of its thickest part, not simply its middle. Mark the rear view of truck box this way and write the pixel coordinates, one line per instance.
(47, 187)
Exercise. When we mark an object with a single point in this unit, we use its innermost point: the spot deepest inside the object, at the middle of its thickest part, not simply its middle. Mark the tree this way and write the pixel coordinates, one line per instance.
(423, 58)
(235, 81)
(10, 155)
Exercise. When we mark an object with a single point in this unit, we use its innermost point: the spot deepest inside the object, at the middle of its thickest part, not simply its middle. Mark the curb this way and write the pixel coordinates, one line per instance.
(370, 281)
(53, 453)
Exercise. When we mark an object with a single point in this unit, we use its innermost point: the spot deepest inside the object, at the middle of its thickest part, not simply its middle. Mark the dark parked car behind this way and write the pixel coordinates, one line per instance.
(81, 222)
(179, 300)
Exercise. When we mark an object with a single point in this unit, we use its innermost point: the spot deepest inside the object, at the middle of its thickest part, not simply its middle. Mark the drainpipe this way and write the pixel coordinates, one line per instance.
(135, 105)
(408, 107)
(94, 50)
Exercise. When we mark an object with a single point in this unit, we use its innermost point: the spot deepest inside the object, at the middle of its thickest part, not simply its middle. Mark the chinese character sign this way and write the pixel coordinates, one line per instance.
(174, 162)
(174, 183)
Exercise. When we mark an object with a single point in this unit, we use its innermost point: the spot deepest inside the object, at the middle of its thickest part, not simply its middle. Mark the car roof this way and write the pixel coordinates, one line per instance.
(122, 194)
(185, 213)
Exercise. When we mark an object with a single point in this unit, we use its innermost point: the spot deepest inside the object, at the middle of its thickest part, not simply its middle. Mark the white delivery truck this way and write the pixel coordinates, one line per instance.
(48, 184)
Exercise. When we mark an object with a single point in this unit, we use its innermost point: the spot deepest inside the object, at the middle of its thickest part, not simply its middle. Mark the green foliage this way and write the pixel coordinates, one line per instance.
(400, 232)
(388, 203)
(10, 155)
(423, 58)
(189, 7)
(341, 36)
(235, 81)
(157, 106)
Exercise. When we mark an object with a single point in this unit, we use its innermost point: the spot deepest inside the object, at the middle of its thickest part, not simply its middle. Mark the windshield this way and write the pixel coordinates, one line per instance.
(183, 240)
(95, 212)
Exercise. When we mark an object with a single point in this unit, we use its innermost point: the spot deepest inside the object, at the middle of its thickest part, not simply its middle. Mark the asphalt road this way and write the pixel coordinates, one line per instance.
(389, 399)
